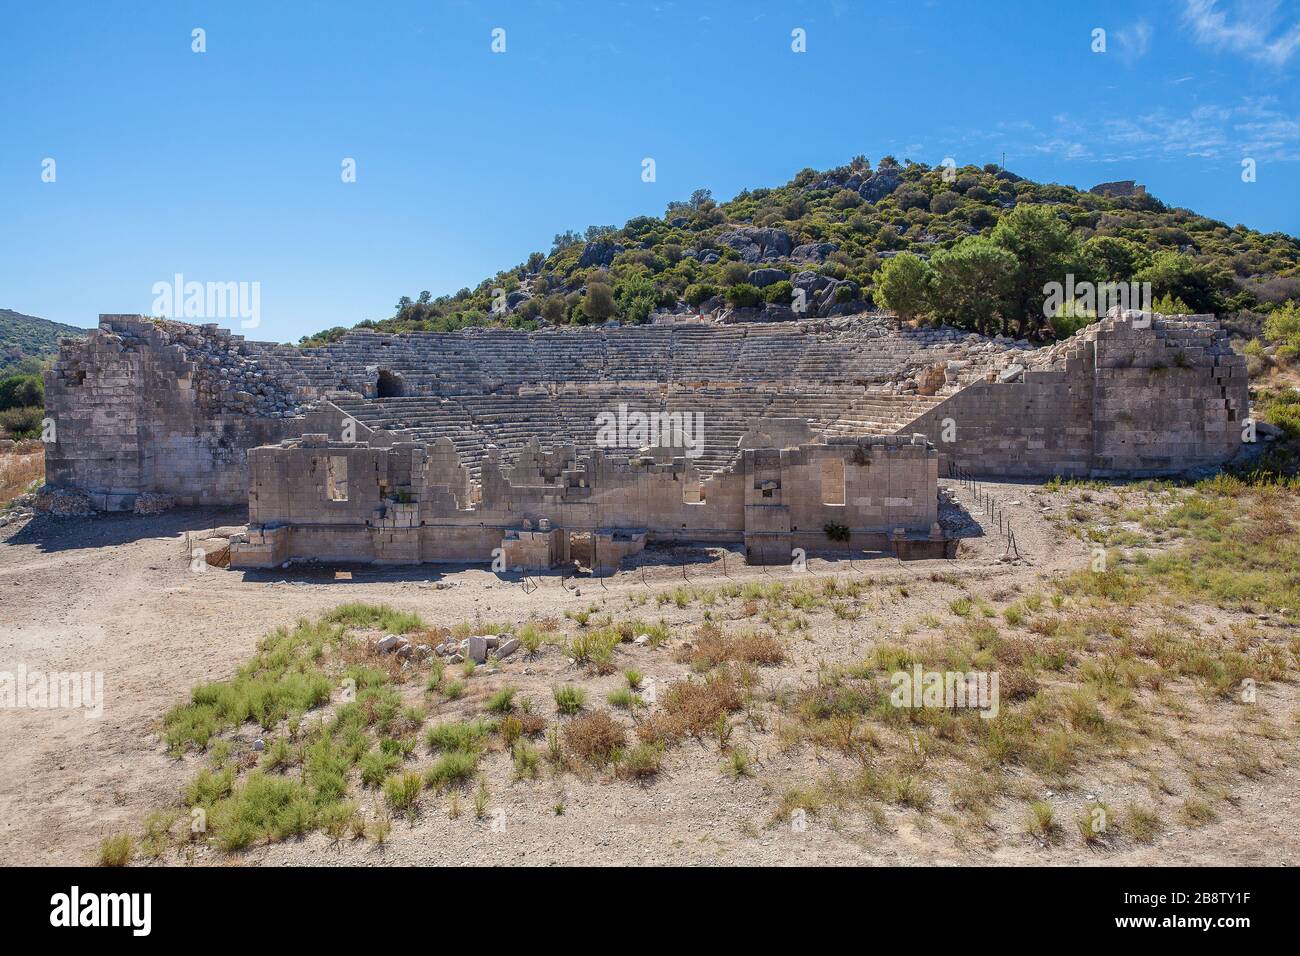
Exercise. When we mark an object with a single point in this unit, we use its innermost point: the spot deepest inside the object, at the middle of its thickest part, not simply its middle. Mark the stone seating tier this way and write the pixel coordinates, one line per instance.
(510, 421)
(867, 351)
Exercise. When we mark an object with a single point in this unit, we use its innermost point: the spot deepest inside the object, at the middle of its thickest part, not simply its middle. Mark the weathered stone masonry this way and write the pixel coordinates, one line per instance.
(409, 503)
(143, 406)
(1130, 396)
(455, 424)
(150, 405)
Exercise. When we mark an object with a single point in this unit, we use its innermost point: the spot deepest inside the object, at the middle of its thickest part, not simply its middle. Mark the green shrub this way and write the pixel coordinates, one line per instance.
(464, 736)
(569, 699)
(837, 532)
(403, 791)
(1283, 410)
(117, 850)
(742, 295)
(21, 422)
(376, 766)
(779, 293)
(625, 699)
(263, 807)
(503, 701)
(526, 759)
(22, 391)
(699, 293)
(456, 766)
(643, 760)
(1282, 325)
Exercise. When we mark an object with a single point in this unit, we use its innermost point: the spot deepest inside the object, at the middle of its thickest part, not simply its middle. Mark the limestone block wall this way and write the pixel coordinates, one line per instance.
(315, 481)
(1129, 396)
(137, 407)
(348, 501)
(93, 396)
(1040, 426)
(1166, 398)
(884, 485)
(148, 405)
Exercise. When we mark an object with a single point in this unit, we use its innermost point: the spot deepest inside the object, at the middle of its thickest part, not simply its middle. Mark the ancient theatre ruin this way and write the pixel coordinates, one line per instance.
(458, 447)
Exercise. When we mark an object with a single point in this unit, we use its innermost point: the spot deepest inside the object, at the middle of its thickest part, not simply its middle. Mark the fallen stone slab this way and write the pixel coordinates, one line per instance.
(476, 649)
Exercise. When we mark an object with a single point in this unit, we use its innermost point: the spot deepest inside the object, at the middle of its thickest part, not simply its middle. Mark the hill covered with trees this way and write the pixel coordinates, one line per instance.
(26, 342)
(969, 246)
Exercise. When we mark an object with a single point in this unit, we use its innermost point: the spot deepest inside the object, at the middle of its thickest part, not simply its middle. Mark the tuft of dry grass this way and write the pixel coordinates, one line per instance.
(1143, 823)
(594, 738)
(1042, 820)
(117, 850)
(691, 708)
(18, 472)
(713, 647)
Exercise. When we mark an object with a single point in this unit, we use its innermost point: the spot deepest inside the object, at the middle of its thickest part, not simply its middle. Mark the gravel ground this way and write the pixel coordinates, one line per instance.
(115, 594)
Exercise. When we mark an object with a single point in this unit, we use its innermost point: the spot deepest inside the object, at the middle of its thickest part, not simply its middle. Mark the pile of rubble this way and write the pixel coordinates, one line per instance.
(477, 648)
(63, 502)
(234, 374)
(17, 514)
(403, 647)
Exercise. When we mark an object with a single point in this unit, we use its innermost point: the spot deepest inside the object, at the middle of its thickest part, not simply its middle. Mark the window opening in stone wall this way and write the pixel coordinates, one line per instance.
(336, 478)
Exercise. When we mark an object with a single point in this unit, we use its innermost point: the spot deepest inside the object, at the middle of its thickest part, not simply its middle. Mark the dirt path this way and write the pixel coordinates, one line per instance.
(114, 594)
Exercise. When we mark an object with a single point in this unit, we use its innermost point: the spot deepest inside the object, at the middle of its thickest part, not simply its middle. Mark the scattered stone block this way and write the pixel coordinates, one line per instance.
(476, 649)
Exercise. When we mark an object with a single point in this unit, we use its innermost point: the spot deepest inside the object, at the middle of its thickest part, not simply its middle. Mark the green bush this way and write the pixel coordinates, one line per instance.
(1070, 318)
(698, 293)
(599, 304)
(458, 766)
(21, 422)
(1283, 410)
(903, 284)
(1283, 325)
(403, 791)
(265, 807)
(458, 735)
(569, 699)
(779, 293)
(376, 766)
(742, 295)
(22, 391)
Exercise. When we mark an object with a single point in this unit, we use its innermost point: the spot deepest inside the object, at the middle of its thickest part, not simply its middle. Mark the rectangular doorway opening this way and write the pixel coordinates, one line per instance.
(336, 478)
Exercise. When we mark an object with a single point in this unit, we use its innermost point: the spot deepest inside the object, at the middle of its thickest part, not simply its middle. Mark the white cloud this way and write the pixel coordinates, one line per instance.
(1134, 41)
(1252, 29)
(1253, 126)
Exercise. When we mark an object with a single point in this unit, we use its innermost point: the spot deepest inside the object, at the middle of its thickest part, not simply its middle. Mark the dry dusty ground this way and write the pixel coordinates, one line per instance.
(116, 594)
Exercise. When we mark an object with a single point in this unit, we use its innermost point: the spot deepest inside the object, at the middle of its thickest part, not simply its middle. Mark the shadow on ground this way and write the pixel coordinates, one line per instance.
(51, 534)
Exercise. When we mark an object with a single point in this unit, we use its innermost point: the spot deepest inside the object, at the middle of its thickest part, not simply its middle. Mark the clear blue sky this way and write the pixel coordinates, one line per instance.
(225, 165)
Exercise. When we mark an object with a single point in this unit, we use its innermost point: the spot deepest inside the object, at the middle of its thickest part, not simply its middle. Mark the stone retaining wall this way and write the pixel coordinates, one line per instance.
(407, 503)
(1127, 397)
(156, 406)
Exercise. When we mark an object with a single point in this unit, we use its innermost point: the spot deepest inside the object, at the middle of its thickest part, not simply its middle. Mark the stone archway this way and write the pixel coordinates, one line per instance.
(389, 384)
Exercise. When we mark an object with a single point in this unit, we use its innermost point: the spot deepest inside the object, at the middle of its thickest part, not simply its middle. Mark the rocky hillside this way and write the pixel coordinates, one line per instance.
(26, 342)
(975, 245)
